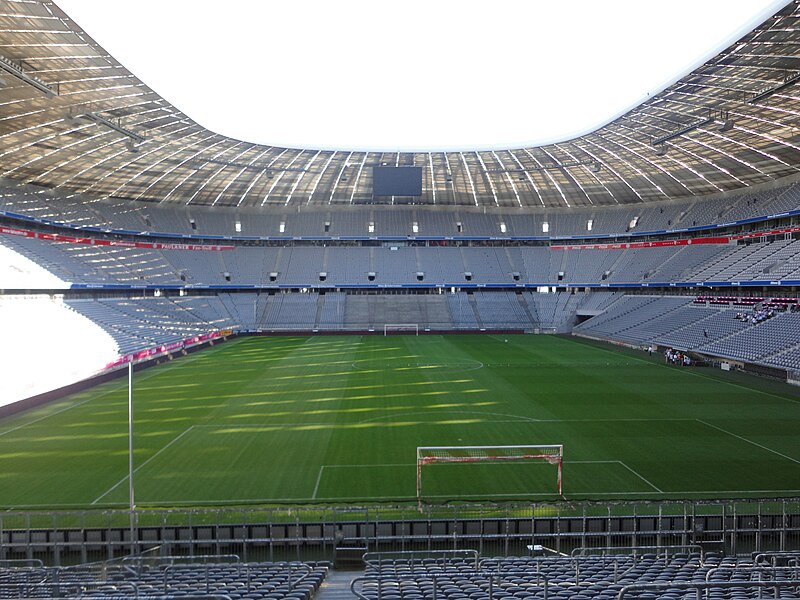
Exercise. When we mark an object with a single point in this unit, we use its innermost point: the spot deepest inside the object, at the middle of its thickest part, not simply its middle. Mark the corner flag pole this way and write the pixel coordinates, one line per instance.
(130, 455)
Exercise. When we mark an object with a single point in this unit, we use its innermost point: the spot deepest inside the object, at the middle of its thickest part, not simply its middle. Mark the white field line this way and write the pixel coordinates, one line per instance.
(410, 465)
(145, 463)
(640, 476)
(319, 478)
(571, 462)
(240, 501)
(794, 460)
(47, 416)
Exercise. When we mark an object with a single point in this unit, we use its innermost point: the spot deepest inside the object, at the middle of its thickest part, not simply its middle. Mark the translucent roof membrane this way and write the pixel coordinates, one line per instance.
(412, 76)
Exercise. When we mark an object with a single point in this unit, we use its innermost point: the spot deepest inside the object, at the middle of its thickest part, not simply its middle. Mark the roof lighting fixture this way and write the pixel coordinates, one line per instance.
(723, 120)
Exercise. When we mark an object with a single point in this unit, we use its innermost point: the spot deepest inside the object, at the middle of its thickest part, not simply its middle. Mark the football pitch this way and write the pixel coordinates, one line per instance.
(337, 419)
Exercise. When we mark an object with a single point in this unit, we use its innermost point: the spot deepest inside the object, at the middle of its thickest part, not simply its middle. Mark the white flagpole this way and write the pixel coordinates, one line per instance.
(130, 454)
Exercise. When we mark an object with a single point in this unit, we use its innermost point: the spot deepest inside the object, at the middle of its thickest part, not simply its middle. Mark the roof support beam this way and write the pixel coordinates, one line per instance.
(14, 68)
(683, 130)
(593, 165)
(100, 120)
(246, 166)
(777, 88)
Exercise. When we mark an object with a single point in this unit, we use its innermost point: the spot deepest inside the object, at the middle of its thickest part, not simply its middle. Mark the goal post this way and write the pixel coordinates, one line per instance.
(401, 328)
(429, 455)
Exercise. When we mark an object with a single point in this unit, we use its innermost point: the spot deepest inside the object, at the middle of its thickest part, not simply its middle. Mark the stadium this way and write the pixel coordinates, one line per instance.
(237, 370)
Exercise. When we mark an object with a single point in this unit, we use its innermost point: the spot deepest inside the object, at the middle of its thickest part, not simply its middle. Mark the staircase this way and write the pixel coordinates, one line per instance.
(320, 306)
(336, 585)
(474, 305)
(524, 304)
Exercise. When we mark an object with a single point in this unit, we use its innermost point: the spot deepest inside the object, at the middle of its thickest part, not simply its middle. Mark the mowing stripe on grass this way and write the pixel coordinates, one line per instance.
(206, 435)
(47, 416)
(75, 404)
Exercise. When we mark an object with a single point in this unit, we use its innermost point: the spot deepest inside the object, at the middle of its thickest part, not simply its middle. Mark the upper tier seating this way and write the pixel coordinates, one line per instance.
(312, 266)
(391, 221)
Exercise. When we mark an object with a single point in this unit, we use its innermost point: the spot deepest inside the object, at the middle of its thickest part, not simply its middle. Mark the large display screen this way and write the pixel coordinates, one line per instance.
(396, 181)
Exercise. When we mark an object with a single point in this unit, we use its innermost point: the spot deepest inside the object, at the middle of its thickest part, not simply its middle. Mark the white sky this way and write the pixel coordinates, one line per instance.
(417, 75)
(46, 345)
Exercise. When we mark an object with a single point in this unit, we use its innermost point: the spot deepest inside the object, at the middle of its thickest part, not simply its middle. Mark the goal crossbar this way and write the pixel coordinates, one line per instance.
(428, 455)
(398, 327)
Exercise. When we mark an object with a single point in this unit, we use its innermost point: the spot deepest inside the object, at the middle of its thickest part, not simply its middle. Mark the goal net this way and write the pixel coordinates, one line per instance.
(552, 454)
(401, 328)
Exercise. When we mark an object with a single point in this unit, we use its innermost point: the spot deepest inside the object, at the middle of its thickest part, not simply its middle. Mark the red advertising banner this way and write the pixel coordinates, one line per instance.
(656, 244)
(681, 242)
(163, 349)
(54, 237)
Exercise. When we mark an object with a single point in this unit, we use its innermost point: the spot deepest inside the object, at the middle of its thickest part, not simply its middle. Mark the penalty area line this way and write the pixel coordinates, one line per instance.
(640, 476)
(319, 478)
(145, 463)
(744, 439)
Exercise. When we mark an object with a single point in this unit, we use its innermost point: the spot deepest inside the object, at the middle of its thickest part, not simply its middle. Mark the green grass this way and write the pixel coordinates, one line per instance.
(338, 419)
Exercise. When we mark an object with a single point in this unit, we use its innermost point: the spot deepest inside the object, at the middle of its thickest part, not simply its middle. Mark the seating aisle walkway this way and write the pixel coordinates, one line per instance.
(336, 585)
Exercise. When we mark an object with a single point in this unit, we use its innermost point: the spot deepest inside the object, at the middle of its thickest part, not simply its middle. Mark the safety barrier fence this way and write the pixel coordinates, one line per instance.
(316, 532)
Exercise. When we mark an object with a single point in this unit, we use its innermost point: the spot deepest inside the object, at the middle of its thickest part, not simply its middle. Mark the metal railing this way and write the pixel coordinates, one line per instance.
(666, 551)
(772, 558)
(699, 587)
(412, 557)
(492, 580)
(313, 532)
(71, 589)
(758, 570)
(621, 563)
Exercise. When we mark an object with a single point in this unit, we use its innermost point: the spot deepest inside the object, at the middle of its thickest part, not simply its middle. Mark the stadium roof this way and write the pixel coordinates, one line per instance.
(355, 81)
(73, 118)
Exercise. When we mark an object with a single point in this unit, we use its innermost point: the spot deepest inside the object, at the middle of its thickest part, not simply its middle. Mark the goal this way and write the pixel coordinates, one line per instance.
(401, 328)
(429, 455)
